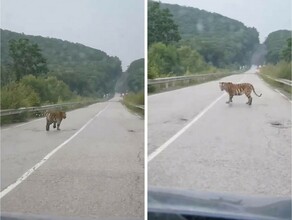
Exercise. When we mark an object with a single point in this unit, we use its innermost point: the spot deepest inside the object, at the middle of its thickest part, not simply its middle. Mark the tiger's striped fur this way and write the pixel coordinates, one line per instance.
(55, 117)
(238, 89)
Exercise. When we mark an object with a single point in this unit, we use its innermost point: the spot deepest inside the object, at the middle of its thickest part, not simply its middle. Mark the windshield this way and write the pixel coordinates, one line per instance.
(219, 99)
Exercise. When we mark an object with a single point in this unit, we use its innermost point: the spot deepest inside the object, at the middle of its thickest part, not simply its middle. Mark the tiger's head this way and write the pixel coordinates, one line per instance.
(224, 85)
(221, 85)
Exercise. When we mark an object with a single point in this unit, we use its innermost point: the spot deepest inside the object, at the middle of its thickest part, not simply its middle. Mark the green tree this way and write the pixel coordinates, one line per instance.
(50, 90)
(191, 60)
(286, 53)
(135, 79)
(276, 42)
(16, 95)
(161, 27)
(27, 58)
(162, 60)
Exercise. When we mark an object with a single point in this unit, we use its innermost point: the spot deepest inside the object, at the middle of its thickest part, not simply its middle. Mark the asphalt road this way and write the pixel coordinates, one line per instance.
(98, 172)
(197, 141)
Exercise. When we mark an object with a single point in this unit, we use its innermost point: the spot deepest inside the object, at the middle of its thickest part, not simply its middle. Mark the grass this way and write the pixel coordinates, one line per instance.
(281, 70)
(132, 100)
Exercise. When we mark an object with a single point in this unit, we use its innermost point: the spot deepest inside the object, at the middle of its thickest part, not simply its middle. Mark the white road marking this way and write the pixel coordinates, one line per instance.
(179, 133)
(283, 95)
(35, 167)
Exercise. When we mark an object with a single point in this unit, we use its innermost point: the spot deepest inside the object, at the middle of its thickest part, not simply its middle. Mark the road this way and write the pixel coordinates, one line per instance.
(197, 141)
(98, 170)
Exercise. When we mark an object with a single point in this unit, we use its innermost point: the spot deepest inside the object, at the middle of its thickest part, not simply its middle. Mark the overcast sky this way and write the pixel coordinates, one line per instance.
(265, 15)
(113, 26)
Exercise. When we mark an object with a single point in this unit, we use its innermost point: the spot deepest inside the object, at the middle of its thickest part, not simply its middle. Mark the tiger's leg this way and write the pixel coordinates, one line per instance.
(58, 124)
(249, 99)
(54, 126)
(48, 125)
(230, 99)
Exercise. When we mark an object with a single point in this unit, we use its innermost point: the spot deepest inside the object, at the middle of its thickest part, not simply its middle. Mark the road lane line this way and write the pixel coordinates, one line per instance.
(179, 133)
(35, 167)
(283, 95)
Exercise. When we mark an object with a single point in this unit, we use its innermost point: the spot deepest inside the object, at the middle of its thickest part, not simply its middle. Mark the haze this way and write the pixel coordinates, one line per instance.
(265, 15)
(113, 26)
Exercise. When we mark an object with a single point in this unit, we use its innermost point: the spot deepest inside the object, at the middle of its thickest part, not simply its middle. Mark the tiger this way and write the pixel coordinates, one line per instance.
(55, 117)
(238, 89)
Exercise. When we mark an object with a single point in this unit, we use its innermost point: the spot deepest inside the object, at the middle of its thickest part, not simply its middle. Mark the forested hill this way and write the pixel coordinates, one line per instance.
(275, 43)
(87, 71)
(220, 40)
(133, 79)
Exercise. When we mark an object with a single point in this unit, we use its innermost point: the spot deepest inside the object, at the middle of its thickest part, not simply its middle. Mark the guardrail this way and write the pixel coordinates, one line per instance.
(135, 106)
(173, 81)
(283, 81)
(6, 112)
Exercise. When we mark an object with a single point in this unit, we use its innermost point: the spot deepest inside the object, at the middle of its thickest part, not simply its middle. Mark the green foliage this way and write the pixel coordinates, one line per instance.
(16, 95)
(161, 27)
(136, 76)
(87, 71)
(286, 53)
(162, 60)
(7, 75)
(49, 89)
(280, 70)
(135, 98)
(132, 80)
(190, 60)
(276, 42)
(221, 41)
(27, 58)
(169, 60)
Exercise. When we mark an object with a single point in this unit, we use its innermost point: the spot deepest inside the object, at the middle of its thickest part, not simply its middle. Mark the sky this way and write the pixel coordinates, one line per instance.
(113, 26)
(265, 15)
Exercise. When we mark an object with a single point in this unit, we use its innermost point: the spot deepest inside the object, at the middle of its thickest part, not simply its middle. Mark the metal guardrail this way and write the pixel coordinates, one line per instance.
(177, 78)
(283, 81)
(172, 81)
(6, 112)
(135, 106)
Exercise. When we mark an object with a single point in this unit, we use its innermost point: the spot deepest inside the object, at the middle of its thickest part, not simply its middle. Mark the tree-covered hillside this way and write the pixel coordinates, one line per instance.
(220, 40)
(132, 80)
(275, 43)
(87, 71)
(184, 40)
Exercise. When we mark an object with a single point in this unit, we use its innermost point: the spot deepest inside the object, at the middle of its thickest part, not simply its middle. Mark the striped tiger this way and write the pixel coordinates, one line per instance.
(238, 89)
(55, 117)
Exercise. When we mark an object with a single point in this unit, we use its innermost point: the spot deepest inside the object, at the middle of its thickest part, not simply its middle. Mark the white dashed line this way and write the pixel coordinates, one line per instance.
(179, 133)
(35, 167)
(283, 95)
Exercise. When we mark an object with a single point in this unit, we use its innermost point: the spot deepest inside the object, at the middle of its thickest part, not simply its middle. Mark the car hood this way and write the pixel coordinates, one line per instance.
(220, 205)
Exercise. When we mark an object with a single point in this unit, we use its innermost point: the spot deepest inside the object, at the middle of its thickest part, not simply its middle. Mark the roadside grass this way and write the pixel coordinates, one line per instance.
(135, 102)
(281, 70)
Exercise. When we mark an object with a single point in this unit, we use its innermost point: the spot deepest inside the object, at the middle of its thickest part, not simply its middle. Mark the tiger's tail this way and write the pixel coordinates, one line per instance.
(255, 92)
